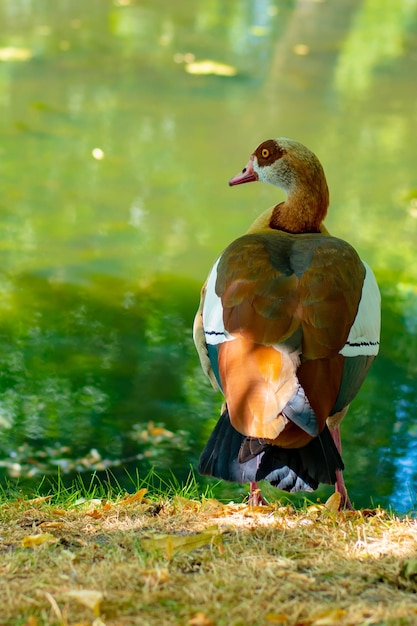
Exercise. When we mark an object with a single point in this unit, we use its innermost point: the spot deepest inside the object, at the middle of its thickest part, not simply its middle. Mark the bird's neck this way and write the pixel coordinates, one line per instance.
(302, 212)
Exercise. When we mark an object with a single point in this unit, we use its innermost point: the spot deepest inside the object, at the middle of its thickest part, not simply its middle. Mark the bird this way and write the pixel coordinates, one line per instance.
(287, 328)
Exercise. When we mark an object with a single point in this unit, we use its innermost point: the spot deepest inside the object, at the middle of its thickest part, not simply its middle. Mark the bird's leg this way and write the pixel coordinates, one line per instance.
(255, 495)
(340, 486)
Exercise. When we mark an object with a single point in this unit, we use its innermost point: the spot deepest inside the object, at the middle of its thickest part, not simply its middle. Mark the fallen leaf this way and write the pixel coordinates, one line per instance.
(58, 512)
(332, 504)
(212, 504)
(169, 544)
(231, 509)
(329, 618)
(136, 497)
(87, 597)
(200, 619)
(38, 500)
(36, 540)
(277, 618)
(156, 431)
(31, 621)
(51, 524)
(91, 504)
(186, 503)
(255, 510)
(315, 508)
(95, 514)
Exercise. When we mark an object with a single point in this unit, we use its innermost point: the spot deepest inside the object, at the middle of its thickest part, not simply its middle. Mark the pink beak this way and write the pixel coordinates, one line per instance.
(247, 175)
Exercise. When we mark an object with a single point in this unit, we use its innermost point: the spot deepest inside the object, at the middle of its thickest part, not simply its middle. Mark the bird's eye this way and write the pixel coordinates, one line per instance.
(265, 153)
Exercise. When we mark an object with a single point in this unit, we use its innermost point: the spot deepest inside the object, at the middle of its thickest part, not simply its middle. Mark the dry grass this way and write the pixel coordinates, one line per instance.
(202, 563)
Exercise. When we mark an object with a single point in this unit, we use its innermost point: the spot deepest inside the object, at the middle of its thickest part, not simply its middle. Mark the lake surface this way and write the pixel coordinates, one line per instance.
(121, 123)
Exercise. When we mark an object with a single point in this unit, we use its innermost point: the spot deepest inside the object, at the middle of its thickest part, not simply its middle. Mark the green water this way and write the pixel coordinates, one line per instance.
(115, 154)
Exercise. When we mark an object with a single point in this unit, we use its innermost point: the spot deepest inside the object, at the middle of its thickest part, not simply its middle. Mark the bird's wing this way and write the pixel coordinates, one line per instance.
(201, 345)
(274, 301)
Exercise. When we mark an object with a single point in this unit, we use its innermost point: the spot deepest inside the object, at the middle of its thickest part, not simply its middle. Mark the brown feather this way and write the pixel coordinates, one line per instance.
(296, 293)
(330, 291)
(321, 381)
(258, 381)
(272, 283)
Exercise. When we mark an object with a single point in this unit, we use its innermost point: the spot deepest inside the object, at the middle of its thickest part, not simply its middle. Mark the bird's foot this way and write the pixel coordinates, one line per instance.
(345, 503)
(255, 496)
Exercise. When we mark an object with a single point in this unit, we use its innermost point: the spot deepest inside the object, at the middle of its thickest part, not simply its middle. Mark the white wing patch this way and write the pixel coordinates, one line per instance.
(214, 329)
(364, 335)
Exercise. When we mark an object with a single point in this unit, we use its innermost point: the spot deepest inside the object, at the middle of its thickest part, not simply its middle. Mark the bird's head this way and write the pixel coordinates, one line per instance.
(288, 164)
(281, 162)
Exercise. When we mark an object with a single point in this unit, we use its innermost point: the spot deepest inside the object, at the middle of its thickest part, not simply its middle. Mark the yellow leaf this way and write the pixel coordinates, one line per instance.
(58, 512)
(186, 503)
(329, 618)
(51, 525)
(38, 500)
(136, 497)
(332, 504)
(277, 618)
(36, 540)
(87, 597)
(169, 544)
(200, 619)
(255, 510)
(315, 508)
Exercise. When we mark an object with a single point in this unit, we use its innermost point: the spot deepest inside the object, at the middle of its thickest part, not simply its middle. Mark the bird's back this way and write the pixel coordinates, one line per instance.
(277, 313)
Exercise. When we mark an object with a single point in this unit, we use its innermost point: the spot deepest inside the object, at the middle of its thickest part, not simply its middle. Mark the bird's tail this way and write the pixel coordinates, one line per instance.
(231, 456)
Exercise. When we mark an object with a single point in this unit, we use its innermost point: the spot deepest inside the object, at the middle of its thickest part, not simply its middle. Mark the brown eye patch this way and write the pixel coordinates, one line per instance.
(268, 152)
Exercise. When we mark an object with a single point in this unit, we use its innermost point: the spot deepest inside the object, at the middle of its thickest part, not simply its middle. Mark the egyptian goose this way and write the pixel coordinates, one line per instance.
(287, 329)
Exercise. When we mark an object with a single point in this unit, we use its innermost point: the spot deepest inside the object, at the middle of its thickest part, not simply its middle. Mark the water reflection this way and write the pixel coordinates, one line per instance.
(114, 164)
(80, 370)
